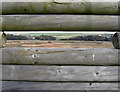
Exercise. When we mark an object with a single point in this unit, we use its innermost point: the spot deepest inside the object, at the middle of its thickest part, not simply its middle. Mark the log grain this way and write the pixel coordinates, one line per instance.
(63, 56)
(63, 7)
(60, 22)
(20, 85)
(60, 1)
(0, 39)
(60, 73)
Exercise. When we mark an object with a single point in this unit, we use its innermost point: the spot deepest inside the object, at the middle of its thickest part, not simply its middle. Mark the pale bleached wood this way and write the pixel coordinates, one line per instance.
(53, 7)
(59, 73)
(18, 85)
(69, 56)
(60, 22)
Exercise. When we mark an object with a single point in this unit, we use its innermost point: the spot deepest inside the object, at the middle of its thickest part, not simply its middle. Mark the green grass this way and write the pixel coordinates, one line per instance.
(62, 37)
(52, 34)
(57, 34)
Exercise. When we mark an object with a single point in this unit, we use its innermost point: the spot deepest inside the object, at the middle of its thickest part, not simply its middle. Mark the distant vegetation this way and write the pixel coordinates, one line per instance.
(64, 36)
(16, 37)
(45, 37)
(89, 38)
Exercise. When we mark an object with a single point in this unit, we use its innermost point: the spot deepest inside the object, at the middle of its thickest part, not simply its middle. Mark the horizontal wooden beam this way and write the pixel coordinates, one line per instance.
(59, 1)
(60, 22)
(0, 28)
(82, 7)
(48, 56)
(17, 85)
(60, 73)
(0, 39)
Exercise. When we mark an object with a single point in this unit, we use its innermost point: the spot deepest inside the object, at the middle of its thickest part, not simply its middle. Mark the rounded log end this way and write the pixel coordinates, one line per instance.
(116, 40)
(3, 40)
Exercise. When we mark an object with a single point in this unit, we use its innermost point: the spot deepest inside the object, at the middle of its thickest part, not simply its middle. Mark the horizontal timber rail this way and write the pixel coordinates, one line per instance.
(60, 56)
(58, 6)
(60, 1)
(60, 73)
(13, 85)
(59, 68)
(60, 22)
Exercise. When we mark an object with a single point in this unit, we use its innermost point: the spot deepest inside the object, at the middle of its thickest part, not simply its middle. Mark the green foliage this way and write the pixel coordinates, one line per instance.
(16, 37)
(45, 37)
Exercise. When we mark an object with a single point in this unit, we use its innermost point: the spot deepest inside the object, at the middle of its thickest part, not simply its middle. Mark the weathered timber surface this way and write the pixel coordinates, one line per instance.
(0, 21)
(60, 73)
(60, 7)
(69, 56)
(0, 39)
(116, 40)
(0, 57)
(60, 22)
(11, 85)
(60, 1)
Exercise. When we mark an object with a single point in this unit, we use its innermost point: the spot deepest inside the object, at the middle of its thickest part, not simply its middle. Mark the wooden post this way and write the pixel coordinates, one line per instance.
(116, 40)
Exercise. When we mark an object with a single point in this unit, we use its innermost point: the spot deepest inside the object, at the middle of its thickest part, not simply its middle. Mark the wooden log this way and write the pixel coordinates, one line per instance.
(48, 56)
(0, 58)
(0, 9)
(60, 22)
(0, 22)
(116, 40)
(18, 85)
(0, 30)
(61, 1)
(60, 73)
(0, 39)
(60, 7)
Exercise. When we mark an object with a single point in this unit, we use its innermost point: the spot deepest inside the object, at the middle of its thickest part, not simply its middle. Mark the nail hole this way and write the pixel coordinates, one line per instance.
(97, 73)
(35, 56)
(35, 62)
(90, 84)
(36, 50)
